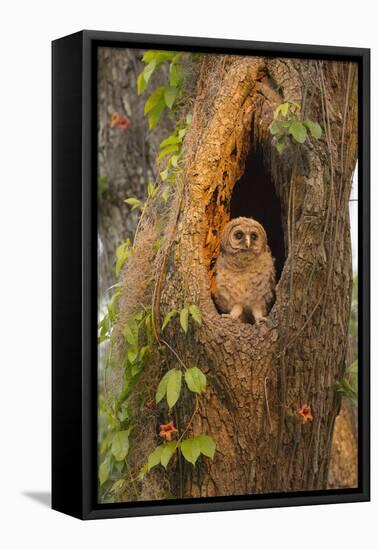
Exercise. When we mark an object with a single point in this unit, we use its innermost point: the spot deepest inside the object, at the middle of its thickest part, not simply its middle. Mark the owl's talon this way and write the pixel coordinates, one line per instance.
(230, 315)
(261, 320)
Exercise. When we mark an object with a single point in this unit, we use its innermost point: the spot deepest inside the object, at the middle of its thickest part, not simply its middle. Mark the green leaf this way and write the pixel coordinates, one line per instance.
(275, 128)
(281, 144)
(207, 445)
(164, 175)
(120, 445)
(122, 254)
(112, 305)
(132, 355)
(281, 109)
(154, 458)
(141, 83)
(123, 414)
(103, 328)
(130, 333)
(184, 319)
(171, 140)
(149, 55)
(168, 318)
(174, 386)
(174, 160)
(190, 449)
(118, 485)
(150, 189)
(314, 128)
(104, 471)
(148, 70)
(343, 386)
(298, 131)
(120, 262)
(167, 452)
(156, 99)
(143, 471)
(165, 195)
(133, 202)
(195, 380)
(176, 75)
(104, 444)
(143, 351)
(162, 387)
(195, 313)
(284, 108)
(176, 56)
(167, 150)
(160, 56)
(280, 126)
(139, 315)
(155, 115)
(170, 96)
(125, 246)
(353, 369)
(136, 368)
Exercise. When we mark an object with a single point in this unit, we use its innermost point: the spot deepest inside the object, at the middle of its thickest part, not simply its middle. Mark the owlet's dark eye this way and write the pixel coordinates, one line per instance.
(254, 236)
(238, 235)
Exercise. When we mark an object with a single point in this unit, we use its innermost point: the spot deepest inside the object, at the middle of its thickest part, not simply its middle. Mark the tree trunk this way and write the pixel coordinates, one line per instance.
(261, 375)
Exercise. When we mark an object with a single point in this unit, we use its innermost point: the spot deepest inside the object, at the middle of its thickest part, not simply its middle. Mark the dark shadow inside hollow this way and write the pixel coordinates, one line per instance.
(254, 196)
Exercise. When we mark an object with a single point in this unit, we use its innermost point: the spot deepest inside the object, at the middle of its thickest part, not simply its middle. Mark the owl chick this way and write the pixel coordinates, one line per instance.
(245, 273)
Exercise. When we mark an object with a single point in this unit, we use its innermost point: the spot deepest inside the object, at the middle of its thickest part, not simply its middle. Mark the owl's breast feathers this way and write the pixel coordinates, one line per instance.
(244, 279)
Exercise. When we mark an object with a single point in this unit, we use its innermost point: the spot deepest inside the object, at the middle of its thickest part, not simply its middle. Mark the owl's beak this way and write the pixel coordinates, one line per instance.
(247, 241)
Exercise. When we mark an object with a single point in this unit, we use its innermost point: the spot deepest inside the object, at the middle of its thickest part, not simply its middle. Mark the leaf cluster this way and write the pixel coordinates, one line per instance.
(171, 384)
(288, 126)
(187, 312)
(190, 449)
(163, 97)
(348, 386)
(114, 421)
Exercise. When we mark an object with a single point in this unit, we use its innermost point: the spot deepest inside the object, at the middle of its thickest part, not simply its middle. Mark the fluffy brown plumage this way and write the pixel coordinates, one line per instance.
(245, 273)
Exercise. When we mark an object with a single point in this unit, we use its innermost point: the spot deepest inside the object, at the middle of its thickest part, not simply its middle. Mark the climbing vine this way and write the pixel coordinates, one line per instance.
(140, 338)
(288, 126)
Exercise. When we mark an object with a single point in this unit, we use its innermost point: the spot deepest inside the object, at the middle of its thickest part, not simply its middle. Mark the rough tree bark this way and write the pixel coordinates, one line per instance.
(259, 376)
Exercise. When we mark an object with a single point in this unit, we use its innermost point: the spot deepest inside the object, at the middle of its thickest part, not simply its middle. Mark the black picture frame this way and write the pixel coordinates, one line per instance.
(74, 294)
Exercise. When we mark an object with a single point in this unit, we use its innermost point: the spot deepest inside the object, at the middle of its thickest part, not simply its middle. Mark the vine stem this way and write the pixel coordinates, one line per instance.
(191, 419)
(132, 479)
(158, 286)
(310, 316)
(161, 340)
